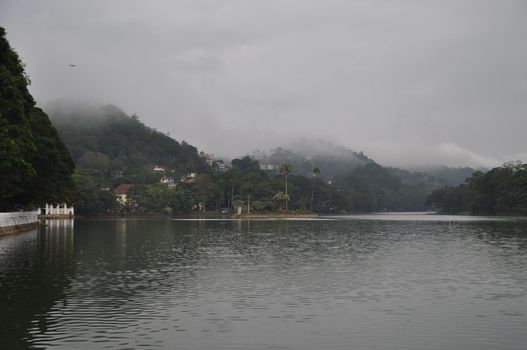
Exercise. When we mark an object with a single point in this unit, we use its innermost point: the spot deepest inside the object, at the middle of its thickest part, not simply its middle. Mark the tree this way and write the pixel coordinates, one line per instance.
(316, 172)
(35, 166)
(245, 164)
(249, 185)
(500, 191)
(281, 197)
(286, 169)
(230, 180)
(204, 186)
(90, 199)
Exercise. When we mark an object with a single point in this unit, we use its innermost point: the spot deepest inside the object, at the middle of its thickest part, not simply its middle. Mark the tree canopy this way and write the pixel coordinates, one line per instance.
(36, 166)
(500, 191)
(110, 147)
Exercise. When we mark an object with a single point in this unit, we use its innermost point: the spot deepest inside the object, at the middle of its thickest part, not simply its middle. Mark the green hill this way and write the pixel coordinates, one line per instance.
(35, 165)
(106, 142)
(500, 191)
(110, 148)
(305, 154)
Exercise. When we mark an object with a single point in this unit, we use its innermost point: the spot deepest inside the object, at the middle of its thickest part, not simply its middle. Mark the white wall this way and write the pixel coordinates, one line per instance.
(18, 218)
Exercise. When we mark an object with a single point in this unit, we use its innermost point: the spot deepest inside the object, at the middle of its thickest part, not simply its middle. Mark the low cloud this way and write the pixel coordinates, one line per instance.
(460, 155)
(406, 82)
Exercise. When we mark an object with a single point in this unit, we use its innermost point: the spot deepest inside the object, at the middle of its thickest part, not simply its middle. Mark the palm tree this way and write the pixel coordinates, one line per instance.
(286, 169)
(316, 172)
(281, 197)
(249, 186)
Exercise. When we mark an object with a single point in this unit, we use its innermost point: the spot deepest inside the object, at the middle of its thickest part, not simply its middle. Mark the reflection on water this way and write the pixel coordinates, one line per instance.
(35, 269)
(320, 284)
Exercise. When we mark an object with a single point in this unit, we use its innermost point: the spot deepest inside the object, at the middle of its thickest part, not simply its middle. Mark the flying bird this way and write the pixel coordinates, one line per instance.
(72, 65)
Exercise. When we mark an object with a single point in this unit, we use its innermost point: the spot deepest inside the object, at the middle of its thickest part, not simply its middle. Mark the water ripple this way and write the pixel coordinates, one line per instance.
(319, 284)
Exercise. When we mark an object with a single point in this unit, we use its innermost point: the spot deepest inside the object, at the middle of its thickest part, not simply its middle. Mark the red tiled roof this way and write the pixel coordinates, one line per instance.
(122, 188)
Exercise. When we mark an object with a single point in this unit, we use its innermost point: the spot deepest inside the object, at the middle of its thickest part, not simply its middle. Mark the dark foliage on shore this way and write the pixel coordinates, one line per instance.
(365, 185)
(35, 165)
(375, 188)
(500, 191)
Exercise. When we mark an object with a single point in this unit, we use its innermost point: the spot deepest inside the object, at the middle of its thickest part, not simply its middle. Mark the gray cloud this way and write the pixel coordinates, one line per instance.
(408, 82)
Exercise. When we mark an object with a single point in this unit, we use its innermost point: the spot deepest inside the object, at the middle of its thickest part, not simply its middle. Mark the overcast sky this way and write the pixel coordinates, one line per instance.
(408, 82)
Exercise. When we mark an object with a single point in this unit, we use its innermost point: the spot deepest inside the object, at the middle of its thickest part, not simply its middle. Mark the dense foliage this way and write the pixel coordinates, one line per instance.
(35, 165)
(245, 185)
(110, 148)
(500, 191)
(119, 147)
(366, 185)
(374, 188)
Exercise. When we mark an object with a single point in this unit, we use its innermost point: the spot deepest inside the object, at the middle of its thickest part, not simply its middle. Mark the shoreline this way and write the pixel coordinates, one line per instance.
(276, 216)
(14, 229)
(212, 215)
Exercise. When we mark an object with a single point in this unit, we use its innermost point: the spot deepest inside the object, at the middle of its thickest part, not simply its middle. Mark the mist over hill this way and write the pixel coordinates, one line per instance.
(119, 143)
(99, 129)
(305, 154)
(110, 147)
(336, 160)
(451, 176)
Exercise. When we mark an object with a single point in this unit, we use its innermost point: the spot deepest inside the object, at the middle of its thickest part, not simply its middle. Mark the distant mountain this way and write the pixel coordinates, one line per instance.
(334, 160)
(368, 185)
(451, 176)
(304, 155)
(106, 140)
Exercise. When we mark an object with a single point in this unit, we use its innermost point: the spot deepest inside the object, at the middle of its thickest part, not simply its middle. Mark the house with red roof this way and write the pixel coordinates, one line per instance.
(121, 192)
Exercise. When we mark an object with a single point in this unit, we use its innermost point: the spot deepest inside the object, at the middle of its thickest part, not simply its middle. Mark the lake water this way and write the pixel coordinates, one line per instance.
(391, 281)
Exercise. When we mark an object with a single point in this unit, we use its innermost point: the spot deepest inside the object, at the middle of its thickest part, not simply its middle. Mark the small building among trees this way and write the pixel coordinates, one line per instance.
(121, 193)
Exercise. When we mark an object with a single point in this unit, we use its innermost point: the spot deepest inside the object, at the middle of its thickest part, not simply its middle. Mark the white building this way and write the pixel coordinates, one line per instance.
(189, 178)
(170, 181)
(268, 167)
(121, 193)
(220, 166)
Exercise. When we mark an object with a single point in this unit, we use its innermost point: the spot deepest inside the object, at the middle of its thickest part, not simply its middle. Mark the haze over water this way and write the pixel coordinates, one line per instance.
(365, 282)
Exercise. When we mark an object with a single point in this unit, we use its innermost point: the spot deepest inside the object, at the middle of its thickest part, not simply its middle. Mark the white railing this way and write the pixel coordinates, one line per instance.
(58, 210)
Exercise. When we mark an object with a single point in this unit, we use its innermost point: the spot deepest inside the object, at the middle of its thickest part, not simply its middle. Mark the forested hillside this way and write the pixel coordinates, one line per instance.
(500, 191)
(304, 155)
(35, 165)
(366, 185)
(105, 139)
(110, 148)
